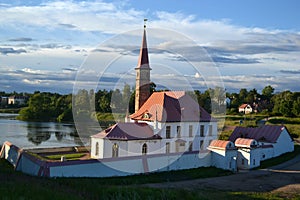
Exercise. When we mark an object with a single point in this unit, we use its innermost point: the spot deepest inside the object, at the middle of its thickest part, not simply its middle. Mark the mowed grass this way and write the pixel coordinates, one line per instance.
(72, 156)
(292, 124)
(15, 185)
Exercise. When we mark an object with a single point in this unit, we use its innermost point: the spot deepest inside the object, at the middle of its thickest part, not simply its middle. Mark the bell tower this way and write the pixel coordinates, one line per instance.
(142, 84)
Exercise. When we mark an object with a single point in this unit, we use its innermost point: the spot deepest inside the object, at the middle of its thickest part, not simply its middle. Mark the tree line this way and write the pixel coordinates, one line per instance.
(285, 103)
(46, 106)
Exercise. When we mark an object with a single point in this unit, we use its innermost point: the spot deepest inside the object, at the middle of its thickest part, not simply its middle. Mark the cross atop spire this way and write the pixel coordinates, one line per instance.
(145, 21)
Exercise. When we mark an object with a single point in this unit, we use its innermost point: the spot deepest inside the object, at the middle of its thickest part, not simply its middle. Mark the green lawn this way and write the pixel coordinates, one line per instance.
(72, 156)
(292, 124)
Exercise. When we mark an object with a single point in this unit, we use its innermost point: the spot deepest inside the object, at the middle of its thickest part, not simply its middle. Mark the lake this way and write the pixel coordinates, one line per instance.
(38, 134)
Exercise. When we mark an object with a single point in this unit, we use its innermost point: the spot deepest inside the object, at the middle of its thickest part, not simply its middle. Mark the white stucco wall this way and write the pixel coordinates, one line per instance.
(195, 138)
(153, 147)
(283, 144)
(266, 153)
(251, 158)
(93, 148)
(224, 159)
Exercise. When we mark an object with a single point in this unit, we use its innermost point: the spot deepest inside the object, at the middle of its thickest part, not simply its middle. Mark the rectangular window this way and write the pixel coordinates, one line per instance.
(253, 161)
(168, 132)
(243, 161)
(191, 146)
(168, 147)
(202, 131)
(179, 131)
(201, 144)
(210, 129)
(190, 130)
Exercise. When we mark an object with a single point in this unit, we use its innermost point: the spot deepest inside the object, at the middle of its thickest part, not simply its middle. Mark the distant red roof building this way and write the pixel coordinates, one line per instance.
(245, 108)
(171, 107)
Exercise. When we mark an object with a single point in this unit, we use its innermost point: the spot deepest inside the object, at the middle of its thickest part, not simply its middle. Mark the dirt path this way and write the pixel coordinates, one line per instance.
(282, 177)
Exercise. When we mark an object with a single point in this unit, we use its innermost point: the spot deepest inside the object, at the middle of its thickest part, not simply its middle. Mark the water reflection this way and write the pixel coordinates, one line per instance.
(38, 132)
(41, 134)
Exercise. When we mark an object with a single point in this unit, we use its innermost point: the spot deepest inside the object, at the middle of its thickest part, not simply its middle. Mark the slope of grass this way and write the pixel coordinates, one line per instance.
(15, 185)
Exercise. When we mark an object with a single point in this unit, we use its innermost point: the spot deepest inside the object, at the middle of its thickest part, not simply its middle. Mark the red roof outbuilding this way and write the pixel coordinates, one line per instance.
(267, 133)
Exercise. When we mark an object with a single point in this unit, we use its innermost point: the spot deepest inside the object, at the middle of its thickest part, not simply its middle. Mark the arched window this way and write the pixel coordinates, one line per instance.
(97, 149)
(144, 149)
(115, 150)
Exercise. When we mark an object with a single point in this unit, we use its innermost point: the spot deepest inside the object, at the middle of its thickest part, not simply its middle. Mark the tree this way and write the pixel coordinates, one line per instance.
(242, 95)
(40, 107)
(267, 92)
(126, 96)
(296, 108)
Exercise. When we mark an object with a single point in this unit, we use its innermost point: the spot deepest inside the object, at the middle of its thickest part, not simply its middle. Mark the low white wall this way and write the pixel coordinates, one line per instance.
(224, 159)
(29, 165)
(112, 167)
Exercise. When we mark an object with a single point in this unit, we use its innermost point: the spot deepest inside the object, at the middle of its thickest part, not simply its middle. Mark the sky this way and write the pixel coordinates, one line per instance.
(57, 46)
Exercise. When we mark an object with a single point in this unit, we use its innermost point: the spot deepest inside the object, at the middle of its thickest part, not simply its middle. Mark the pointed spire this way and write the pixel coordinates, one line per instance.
(143, 61)
(142, 89)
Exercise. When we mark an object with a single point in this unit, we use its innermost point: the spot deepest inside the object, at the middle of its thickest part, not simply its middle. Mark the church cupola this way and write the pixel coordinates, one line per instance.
(142, 84)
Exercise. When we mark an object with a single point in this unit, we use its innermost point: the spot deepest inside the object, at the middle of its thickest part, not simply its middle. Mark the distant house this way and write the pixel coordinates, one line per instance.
(17, 100)
(245, 108)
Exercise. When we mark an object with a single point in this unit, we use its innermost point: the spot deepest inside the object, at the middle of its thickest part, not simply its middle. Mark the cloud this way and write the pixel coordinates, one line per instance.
(220, 59)
(71, 26)
(55, 46)
(70, 69)
(82, 15)
(29, 80)
(9, 50)
(21, 39)
(64, 30)
(290, 71)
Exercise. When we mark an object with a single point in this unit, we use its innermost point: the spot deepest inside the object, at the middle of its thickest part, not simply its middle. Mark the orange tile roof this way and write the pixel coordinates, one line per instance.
(243, 106)
(128, 131)
(244, 142)
(171, 107)
(221, 144)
